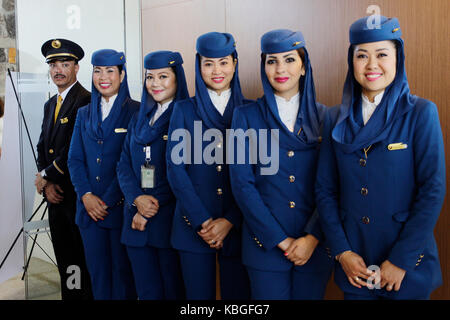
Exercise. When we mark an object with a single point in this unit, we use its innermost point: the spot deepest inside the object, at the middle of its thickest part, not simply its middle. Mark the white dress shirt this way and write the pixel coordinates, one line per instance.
(220, 102)
(107, 106)
(288, 110)
(65, 92)
(159, 111)
(368, 108)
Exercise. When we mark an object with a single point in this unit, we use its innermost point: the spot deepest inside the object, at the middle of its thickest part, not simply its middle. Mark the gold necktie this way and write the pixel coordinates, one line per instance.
(58, 106)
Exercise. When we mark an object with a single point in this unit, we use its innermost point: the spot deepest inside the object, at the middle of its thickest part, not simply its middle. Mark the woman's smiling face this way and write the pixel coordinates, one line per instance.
(107, 80)
(283, 70)
(374, 66)
(161, 84)
(217, 73)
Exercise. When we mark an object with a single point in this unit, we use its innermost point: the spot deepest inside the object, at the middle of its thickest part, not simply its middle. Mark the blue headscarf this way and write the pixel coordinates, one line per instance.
(97, 128)
(350, 133)
(216, 45)
(145, 133)
(309, 116)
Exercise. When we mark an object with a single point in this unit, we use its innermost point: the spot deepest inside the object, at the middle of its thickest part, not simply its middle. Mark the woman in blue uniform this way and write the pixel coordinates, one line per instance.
(207, 219)
(281, 234)
(100, 129)
(149, 201)
(381, 176)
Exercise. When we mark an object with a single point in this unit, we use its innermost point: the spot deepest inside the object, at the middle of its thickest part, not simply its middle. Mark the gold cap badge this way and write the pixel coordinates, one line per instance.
(56, 44)
(172, 62)
(395, 30)
(296, 43)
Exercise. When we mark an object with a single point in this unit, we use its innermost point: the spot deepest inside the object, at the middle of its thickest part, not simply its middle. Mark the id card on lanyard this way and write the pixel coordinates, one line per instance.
(147, 171)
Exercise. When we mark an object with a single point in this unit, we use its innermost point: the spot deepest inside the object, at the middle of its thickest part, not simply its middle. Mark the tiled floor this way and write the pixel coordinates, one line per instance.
(43, 283)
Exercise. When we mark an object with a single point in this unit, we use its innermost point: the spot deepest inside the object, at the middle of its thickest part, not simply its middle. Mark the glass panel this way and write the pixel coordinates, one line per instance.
(42, 280)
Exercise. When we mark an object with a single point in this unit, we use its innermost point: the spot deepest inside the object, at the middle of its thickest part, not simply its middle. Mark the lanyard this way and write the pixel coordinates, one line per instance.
(148, 156)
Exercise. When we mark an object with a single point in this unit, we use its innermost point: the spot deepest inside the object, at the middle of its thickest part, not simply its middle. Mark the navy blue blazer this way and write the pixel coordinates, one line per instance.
(385, 206)
(92, 165)
(276, 206)
(158, 228)
(203, 190)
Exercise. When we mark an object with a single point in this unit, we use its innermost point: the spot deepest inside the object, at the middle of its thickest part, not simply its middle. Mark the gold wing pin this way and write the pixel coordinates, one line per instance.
(397, 146)
(64, 120)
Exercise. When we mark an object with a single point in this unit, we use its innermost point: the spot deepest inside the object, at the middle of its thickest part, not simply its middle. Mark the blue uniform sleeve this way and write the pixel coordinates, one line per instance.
(256, 214)
(77, 159)
(233, 215)
(113, 195)
(128, 181)
(327, 193)
(429, 168)
(313, 226)
(178, 178)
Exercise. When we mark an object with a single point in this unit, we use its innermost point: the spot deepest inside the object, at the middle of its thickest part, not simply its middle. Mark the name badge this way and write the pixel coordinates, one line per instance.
(397, 146)
(64, 120)
(147, 176)
(120, 130)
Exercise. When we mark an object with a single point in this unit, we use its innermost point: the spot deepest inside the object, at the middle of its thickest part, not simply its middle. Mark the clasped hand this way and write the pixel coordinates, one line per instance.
(300, 250)
(213, 232)
(95, 207)
(147, 205)
(40, 183)
(355, 268)
(139, 222)
(53, 193)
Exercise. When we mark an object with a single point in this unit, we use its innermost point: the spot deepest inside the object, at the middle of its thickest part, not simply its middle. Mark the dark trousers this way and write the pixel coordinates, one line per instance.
(199, 274)
(68, 249)
(108, 264)
(157, 273)
(287, 285)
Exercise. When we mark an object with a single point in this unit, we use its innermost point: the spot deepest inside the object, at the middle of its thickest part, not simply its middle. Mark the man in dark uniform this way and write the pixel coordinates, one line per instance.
(53, 179)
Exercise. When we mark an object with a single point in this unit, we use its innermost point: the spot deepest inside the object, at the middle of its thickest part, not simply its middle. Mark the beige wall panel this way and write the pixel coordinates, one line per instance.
(193, 18)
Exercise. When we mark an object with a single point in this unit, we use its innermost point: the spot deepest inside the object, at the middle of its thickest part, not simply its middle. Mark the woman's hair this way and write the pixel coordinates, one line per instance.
(120, 67)
(394, 42)
(232, 57)
(2, 107)
(174, 70)
(301, 53)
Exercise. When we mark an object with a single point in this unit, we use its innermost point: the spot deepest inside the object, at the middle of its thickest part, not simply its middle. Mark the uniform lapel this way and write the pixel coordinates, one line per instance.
(49, 117)
(65, 109)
